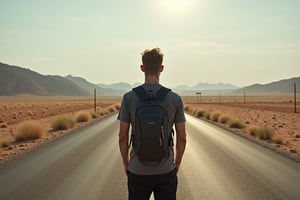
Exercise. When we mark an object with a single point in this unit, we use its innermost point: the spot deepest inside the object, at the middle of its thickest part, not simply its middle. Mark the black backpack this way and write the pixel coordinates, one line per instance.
(151, 136)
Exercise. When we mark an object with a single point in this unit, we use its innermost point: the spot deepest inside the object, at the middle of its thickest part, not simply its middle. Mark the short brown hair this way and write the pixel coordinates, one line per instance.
(152, 60)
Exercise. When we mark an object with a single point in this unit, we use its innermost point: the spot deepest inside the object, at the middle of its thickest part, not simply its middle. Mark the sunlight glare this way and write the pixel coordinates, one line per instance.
(177, 6)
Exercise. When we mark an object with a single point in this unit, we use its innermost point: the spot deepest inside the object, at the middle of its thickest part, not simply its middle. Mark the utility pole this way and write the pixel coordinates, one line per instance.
(95, 109)
(295, 97)
(244, 96)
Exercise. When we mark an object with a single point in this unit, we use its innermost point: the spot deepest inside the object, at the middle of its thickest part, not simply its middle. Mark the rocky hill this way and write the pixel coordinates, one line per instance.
(285, 86)
(18, 81)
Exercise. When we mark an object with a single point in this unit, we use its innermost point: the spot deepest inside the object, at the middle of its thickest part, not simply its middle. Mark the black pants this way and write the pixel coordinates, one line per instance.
(163, 186)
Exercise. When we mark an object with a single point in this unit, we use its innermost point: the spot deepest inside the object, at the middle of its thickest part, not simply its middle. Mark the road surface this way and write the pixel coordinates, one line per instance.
(86, 165)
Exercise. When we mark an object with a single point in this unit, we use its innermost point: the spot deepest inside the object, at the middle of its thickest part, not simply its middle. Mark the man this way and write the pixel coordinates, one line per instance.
(161, 178)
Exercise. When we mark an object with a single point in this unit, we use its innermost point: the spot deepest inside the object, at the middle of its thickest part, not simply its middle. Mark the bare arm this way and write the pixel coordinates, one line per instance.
(180, 142)
(123, 143)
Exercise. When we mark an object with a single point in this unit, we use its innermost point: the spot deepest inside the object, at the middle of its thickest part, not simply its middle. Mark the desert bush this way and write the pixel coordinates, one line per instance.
(5, 142)
(236, 124)
(251, 130)
(3, 125)
(111, 109)
(29, 130)
(117, 106)
(215, 116)
(278, 139)
(206, 115)
(63, 123)
(187, 108)
(224, 119)
(102, 113)
(264, 133)
(199, 113)
(82, 116)
(95, 115)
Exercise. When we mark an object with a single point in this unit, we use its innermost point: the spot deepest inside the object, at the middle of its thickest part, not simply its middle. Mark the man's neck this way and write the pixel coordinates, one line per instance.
(152, 79)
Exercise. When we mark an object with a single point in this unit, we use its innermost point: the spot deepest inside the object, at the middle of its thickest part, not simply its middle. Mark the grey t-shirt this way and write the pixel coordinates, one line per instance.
(175, 111)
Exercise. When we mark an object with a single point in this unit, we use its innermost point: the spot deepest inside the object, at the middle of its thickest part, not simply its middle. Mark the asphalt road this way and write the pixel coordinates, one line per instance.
(86, 165)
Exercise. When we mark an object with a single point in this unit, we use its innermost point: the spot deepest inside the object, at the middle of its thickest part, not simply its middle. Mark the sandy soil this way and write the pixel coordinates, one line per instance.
(14, 110)
(277, 115)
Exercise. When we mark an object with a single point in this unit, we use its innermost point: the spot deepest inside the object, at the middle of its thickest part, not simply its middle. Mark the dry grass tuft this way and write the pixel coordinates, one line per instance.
(3, 125)
(117, 106)
(251, 130)
(215, 116)
(95, 115)
(111, 109)
(199, 113)
(83, 116)
(187, 108)
(63, 123)
(206, 115)
(264, 133)
(278, 139)
(29, 130)
(224, 119)
(236, 124)
(5, 142)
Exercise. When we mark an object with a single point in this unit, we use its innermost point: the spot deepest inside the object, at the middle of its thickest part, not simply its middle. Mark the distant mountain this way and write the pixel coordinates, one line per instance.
(208, 86)
(119, 86)
(16, 80)
(205, 89)
(101, 91)
(278, 87)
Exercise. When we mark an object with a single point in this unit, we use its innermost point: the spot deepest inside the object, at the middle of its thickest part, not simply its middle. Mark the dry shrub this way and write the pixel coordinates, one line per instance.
(278, 139)
(63, 123)
(251, 130)
(102, 113)
(5, 142)
(236, 124)
(29, 130)
(117, 106)
(199, 113)
(111, 109)
(187, 108)
(95, 115)
(82, 116)
(3, 125)
(224, 119)
(215, 116)
(206, 115)
(264, 133)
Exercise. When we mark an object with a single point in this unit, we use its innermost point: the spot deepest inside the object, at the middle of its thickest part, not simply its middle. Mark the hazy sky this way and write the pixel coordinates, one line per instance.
(233, 41)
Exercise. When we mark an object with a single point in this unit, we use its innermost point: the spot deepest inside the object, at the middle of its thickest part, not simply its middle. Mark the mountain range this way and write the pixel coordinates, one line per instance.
(16, 80)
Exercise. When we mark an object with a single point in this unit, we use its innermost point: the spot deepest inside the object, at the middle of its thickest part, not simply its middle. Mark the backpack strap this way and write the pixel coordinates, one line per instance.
(142, 93)
(162, 92)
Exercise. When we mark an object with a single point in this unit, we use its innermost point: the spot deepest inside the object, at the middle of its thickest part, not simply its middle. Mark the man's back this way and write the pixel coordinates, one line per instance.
(174, 107)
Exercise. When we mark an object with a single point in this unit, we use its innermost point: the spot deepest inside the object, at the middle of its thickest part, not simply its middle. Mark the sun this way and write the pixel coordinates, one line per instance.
(177, 6)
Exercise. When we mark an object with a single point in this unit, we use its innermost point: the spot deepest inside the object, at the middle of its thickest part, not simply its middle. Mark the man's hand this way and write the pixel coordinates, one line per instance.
(123, 144)
(181, 142)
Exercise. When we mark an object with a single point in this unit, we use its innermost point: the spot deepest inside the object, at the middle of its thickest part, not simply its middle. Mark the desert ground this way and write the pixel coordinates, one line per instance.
(276, 112)
(14, 110)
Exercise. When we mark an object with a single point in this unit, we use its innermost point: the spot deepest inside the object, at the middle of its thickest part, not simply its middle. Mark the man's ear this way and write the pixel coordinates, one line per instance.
(142, 68)
(161, 68)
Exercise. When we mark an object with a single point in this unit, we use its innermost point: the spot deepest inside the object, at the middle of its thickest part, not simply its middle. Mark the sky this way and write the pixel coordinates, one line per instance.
(241, 42)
